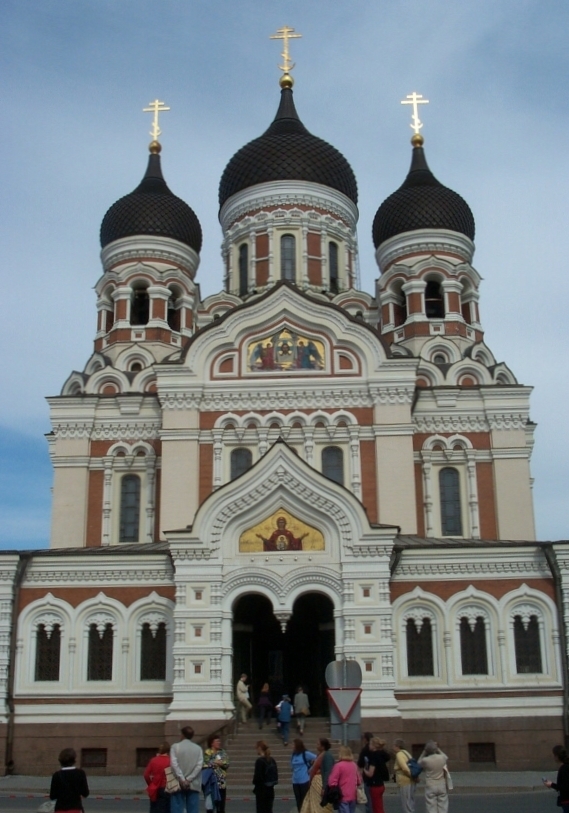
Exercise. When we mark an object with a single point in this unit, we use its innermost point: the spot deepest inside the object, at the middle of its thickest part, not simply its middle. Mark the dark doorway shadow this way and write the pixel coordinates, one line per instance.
(287, 660)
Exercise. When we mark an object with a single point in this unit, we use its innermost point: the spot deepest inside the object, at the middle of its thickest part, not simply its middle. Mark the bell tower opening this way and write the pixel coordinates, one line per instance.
(297, 657)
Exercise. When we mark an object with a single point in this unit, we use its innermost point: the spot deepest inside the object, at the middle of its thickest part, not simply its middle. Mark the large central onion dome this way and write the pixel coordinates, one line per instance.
(152, 209)
(287, 152)
(421, 202)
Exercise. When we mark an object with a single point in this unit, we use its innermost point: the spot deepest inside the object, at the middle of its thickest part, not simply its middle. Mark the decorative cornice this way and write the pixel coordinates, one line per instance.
(512, 420)
(438, 569)
(451, 423)
(107, 431)
(164, 249)
(89, 575)
(288, 193)
(424, 241)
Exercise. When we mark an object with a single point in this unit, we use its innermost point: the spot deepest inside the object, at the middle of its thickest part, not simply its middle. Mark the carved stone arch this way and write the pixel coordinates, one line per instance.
(450, 350)
(148, 605)
(97, 607)
(343, 415)
(230, 419)
(109, 375)
(318, 416)
(246, 580)
(327, 580)
(525, 610)
(433, 441)
(467, 367)
(271, 418)
(46, 609)
(101, 619)
(154, 618)
(459, 440)
(133, 353)
(472, 612)
(75, 385)
(418, 614)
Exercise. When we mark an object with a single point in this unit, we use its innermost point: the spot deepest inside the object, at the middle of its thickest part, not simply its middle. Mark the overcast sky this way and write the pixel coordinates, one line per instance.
(77, 73)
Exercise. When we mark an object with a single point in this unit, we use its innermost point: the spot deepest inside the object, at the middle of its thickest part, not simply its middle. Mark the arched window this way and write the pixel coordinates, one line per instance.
(174, 312)
(451, 518)
(100, 657)
(333, 265)
(48, 649)
(139, 307)
(130, 508)
(473, 647)
(400, 310)
(153, 652)
(243, 269)
(527, 645)
(434, 300)
(419, 647)
(333, 464)
(288, 257)
(241, 461)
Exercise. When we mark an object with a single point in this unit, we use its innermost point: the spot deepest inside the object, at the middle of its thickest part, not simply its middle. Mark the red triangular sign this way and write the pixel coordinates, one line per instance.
(344, 701)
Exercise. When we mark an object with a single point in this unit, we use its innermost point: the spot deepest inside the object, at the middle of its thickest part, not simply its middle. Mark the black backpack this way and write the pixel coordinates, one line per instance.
(271, 774)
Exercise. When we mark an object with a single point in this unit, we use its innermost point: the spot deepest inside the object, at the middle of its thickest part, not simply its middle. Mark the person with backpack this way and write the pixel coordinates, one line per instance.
(433, 762)
(375, 773)
(265, 777)
(405, 782)
(300, 763)
(284, 711)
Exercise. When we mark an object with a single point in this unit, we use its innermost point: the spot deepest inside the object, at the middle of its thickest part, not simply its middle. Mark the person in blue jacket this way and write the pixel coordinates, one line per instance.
(300, 763)
(284, 718)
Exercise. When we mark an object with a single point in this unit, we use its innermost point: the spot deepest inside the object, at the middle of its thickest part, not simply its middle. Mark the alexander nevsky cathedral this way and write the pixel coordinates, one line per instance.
(288, 472)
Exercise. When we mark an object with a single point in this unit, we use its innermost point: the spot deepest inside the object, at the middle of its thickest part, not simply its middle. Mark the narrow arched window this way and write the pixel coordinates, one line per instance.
(333, 264)
(241, 461)
(139, 307)
(434, 300)
(451, 517)
(419, 647)
(153, 652)
(473, 647)
(288, 257)
(333, 464)
(174, 312)
(243, 269)
(48, 650)
(400, 310)
(527, 645)
(100, 657)
(130, 508)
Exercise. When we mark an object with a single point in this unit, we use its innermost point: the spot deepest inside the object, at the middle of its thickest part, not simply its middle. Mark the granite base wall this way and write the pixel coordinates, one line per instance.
(521, 743)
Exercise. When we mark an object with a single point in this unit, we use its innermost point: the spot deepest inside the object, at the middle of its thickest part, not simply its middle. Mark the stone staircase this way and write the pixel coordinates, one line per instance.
(242, 752)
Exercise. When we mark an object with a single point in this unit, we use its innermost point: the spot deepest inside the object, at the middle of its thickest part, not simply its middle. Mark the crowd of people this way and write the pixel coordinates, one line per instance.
(179, 774)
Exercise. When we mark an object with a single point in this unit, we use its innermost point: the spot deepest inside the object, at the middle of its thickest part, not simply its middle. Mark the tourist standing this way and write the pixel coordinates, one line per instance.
(562, 783)
(319, 773)
(155, 779)
(242, 692)
(433, 762)
(68, 785)
(186, 759)
(265, 777)
(346, 777)
(217, 761)
(363, 756)
(264, 706)
(284, 718)
(405, 782)
(301, 708)
(300, 762)
(375, 773)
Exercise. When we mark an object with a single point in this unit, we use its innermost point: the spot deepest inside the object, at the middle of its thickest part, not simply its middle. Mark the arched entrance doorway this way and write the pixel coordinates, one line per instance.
(286, 660)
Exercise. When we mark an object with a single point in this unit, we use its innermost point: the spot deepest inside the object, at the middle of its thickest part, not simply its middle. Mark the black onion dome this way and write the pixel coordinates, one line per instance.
(287, 152)
(152, 209)
(421, 202)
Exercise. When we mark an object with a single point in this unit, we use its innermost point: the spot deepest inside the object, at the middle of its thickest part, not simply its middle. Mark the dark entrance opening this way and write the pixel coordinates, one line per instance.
(297, 657)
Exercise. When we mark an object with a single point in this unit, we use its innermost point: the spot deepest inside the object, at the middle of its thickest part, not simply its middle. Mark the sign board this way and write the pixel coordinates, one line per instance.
(343, 674)
(344, 701)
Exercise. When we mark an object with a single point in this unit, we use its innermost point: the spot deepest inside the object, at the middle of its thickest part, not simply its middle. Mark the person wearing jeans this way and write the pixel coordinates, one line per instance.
(186, 759)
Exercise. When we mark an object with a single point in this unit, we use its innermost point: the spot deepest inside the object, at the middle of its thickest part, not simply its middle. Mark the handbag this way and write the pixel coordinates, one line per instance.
(448, 778)
(305, 712)
(361, 798)
(172, 784)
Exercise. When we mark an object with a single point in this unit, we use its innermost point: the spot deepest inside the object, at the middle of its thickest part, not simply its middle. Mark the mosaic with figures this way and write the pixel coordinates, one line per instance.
(281, 532)
(285, 350)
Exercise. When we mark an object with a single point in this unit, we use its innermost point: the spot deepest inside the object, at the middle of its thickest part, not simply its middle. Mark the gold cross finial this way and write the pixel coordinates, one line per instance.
(285, 34)
(155, 107)
(415, 99)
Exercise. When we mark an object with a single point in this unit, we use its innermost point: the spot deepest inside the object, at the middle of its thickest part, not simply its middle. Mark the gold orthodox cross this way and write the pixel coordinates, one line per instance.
(415, 99)
(155, 107)
(285, 34)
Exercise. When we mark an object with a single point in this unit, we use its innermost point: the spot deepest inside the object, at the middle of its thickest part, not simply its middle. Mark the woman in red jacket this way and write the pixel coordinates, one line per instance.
(155, 779)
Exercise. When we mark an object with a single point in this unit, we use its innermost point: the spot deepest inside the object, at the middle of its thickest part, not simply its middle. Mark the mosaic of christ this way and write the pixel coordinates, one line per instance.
(280, 532)
(285, 350)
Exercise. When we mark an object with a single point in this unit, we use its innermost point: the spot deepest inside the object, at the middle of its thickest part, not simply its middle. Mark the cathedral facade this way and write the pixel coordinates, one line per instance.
(285, 473)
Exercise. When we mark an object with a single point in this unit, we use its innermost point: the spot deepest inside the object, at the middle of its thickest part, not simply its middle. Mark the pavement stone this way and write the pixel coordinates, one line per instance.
(133, 786)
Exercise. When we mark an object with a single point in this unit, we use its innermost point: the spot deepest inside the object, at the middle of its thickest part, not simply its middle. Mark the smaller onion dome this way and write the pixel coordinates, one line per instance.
(152, 209)
(421, 202)
(287, 151)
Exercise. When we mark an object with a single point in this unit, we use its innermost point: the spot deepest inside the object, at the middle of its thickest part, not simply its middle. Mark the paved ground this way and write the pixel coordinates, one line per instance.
(129, 787)
(539, 801)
